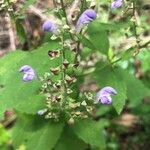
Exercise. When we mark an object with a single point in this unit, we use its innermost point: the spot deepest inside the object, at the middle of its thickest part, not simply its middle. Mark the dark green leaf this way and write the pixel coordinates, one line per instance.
(86, 42)
(15, 93)
(136, 90)
(69, 141)
(114, 78)
(36, 133)
(91, 132)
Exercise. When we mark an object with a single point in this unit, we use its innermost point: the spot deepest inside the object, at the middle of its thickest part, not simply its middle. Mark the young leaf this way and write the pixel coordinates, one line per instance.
(99, 37)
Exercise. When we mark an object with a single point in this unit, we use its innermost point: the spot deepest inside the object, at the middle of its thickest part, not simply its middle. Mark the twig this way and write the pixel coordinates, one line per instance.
(135, 31)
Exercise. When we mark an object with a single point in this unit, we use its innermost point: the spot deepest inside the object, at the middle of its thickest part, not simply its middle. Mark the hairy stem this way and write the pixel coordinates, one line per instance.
(64, 87)
(64, 11)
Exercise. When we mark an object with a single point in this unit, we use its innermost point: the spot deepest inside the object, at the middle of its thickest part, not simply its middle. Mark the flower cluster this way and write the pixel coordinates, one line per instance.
(55, 104)
(59, 81)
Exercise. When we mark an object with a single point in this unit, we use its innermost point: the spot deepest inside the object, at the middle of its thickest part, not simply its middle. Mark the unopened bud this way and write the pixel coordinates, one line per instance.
(78, 113)
(69, 79)
(76, 64)
(57, 85)
(58, 98)
(69, 91)
(53, 54)
(53, 37)
(66, 63)
(71, 121)
(74, 105)
(84, 103)
(55, 71)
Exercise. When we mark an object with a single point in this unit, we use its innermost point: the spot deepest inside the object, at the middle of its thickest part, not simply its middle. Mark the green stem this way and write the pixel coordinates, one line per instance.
(64, 11)
(64, 87)
(72, 37)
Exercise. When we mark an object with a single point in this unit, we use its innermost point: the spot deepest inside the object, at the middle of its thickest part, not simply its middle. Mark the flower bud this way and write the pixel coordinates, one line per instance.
(69, 79)
(116, 4)
(49, 26)
(66, 63)
(86, 17)
(55, 71)
(53, 53)
(71, 121)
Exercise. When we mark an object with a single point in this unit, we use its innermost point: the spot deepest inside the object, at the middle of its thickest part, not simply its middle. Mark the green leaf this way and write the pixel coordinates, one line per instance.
(108, 76)
(86, 42)
(36, 133)
(136, 90)
(127, 86)
(15, 93)
(126, 55)
(4, 136)
(69, 141)
(91, 132)
(102, 110)
(115, 26)
(98, 37)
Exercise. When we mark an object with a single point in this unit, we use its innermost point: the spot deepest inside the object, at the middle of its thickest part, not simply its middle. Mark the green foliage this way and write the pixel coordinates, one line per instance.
(70, 119)
(127, 86)
(98, 36)
(69, 141)
(4, 136)
(136, 90)
(112, 77)
(91, 132)
(36, 133)
(28, 98)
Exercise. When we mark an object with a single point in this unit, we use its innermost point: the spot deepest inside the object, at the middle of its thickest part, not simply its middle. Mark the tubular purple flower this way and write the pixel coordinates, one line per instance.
(49, 26)
(108, 90)
(116, 4)
(86, 17)
(29, 73)
(104, 95)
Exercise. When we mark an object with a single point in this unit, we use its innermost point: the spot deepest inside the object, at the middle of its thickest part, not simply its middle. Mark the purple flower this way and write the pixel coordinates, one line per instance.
(29, 73)
(116, 4)
(86, 17)
(49, 26)
(104, 95)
